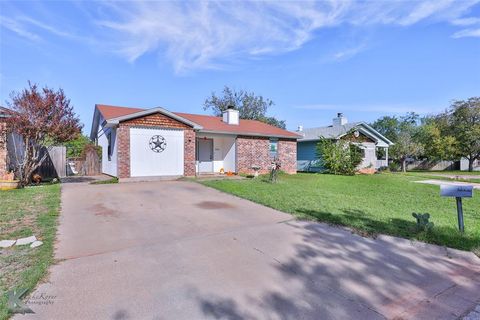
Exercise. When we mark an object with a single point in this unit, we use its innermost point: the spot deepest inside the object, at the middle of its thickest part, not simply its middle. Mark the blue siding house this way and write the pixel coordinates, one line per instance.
(368, 138)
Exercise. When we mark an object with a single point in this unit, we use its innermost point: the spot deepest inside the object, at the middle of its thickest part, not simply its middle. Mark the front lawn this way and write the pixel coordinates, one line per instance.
(26, 212)
(381, 203)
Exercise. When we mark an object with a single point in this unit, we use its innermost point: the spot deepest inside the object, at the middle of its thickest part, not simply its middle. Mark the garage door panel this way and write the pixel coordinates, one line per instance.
(156, 152)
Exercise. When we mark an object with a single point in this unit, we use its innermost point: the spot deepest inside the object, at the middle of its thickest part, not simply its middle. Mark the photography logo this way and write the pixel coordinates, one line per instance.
(15, 304)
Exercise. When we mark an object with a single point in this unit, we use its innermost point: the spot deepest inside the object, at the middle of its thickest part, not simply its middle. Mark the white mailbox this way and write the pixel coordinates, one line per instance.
(456, 191)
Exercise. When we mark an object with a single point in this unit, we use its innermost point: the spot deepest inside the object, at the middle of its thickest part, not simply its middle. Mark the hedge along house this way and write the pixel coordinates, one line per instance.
(360, 133)
(155, 142)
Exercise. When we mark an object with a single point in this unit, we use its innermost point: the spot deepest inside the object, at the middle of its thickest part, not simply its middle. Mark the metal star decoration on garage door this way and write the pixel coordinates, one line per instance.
(157, 143)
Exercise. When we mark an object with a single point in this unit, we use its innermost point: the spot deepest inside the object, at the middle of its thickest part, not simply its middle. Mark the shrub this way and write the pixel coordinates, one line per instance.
(274, 169)
(339, 157)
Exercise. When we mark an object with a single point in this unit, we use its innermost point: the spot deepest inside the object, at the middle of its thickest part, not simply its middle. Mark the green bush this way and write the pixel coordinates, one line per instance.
(339, 157)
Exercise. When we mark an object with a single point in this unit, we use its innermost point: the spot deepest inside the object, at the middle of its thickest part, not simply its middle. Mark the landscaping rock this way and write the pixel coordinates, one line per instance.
(6, 243)
(24, 241)
(36, 244)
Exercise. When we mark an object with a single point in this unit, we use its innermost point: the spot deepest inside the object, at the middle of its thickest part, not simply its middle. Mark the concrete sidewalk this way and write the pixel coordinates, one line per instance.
(178, 250)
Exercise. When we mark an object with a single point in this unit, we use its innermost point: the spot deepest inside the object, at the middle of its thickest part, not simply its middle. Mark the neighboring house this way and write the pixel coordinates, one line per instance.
(3, 143)
(156, 142)
(464, 165)
(360, 133)
(11, 145)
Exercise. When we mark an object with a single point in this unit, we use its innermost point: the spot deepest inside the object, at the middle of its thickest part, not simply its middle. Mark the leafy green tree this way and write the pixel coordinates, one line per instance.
(388, 127)
(339, 156)
(437, 143)
(464, 124)
(75, 147)
(406, 147)
(404, 133)
(249, 105)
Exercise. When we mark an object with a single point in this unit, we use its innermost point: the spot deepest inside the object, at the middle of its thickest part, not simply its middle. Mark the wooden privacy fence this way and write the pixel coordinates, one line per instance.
(55, 164)
(88, 165)
(433, 165)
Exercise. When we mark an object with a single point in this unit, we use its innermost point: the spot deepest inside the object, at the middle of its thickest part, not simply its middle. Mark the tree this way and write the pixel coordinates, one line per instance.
(403, 132)
(76, 147)
(464, 124)
(249, 105)
(43, 118)
(388, 127)
(438, 143)
(339, 156)
(406, 147)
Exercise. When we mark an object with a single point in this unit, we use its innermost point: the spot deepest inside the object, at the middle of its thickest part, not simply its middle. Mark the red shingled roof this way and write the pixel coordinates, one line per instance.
(110, 112)
(209, 123)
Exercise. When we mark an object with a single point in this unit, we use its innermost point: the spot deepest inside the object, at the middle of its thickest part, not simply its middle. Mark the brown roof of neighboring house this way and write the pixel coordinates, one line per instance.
(208, 123)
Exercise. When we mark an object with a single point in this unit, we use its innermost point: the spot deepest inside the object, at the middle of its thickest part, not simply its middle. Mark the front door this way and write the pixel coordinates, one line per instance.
(205, 155)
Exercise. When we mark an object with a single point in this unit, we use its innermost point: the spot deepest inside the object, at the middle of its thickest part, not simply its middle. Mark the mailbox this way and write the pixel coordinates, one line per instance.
(456, 191)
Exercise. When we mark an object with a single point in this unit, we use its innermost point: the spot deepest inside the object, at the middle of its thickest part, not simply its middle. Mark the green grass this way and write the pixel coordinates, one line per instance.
(109, 181)
(375, 204)
(26, 212)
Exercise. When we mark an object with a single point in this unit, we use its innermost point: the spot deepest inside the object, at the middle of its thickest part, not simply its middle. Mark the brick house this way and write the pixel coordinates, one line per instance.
(156, 142)
(3, 143)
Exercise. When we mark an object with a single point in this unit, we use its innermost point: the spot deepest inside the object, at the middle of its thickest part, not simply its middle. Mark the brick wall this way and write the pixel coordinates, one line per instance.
(123, 151)
(287, 154)
(254, 151)
(3, 150)
(154, 120)
(189, 152)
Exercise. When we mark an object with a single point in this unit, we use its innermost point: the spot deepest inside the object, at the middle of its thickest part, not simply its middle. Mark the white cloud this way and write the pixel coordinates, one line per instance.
(214, 34)
(28, 28)
(349, 53)
(467, 33)
(465, 21)
(424, 10)
(18, 28)
(202, 35)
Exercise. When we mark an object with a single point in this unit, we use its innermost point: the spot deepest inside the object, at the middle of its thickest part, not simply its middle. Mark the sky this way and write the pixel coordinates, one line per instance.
(313, 59)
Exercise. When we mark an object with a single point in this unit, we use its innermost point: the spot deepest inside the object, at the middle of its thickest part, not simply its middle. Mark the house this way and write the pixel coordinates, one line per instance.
(3, 143)
(156, 142)
(360, 133)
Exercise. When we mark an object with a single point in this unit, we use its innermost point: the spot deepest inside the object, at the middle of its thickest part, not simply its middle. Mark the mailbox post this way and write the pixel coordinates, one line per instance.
(459, 192)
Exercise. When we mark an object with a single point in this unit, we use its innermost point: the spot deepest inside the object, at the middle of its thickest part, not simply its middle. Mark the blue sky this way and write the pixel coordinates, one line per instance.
(313, 59)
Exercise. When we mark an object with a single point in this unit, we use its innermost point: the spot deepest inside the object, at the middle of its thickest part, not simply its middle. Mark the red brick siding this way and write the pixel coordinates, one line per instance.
(154, 120)
(123, 151)
(254, 151)
(3, 149)
(287, 154)
(189, 153)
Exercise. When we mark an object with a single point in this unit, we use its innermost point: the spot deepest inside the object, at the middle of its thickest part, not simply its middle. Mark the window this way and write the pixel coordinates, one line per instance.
(273, 148)
(109, 149)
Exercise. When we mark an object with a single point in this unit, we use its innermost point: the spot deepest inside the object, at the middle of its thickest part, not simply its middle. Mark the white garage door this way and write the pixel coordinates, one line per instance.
(156, 152)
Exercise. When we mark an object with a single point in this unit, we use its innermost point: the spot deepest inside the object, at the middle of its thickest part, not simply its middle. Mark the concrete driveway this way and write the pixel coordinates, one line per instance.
(178, 250)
